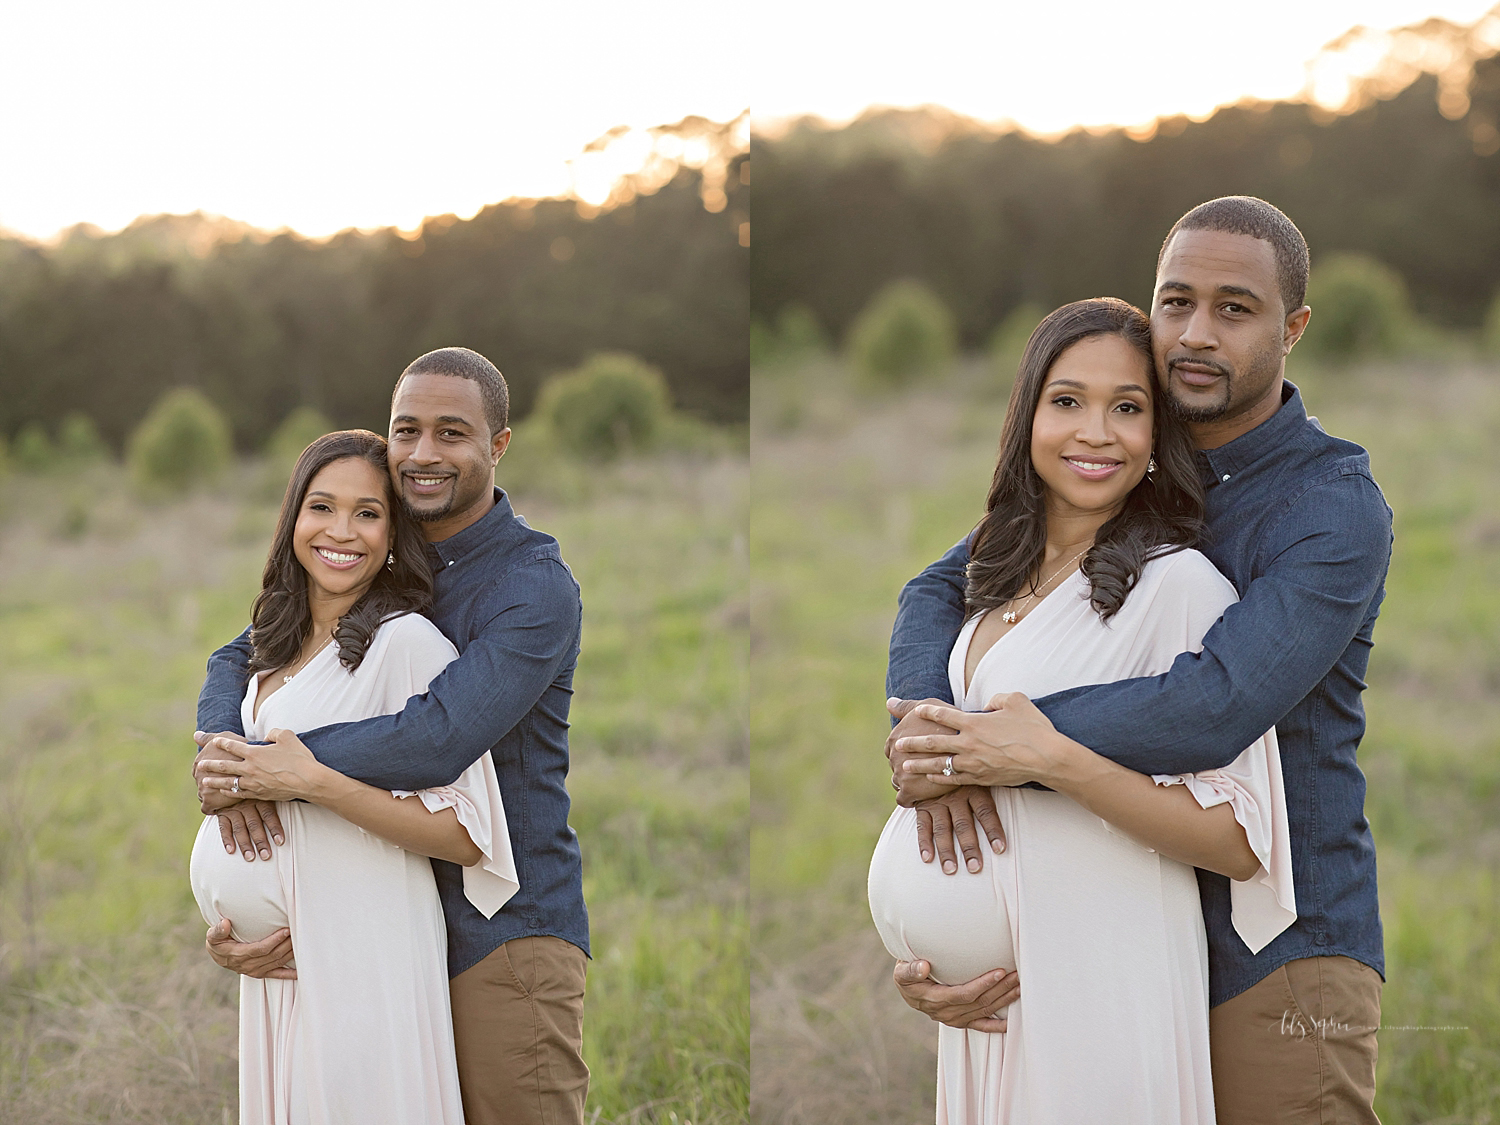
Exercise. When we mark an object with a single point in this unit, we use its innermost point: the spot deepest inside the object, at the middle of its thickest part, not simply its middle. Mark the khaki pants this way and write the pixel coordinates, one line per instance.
(518, 1028)
(1299, 1046)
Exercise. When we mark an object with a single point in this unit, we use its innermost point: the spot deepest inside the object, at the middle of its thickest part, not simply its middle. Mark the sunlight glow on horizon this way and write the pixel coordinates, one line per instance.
(321, 117)
(1100, 66)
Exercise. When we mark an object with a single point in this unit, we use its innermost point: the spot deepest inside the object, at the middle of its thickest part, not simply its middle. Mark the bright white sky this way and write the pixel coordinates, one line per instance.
(323, 115)
(320, 115)
(1051, 64)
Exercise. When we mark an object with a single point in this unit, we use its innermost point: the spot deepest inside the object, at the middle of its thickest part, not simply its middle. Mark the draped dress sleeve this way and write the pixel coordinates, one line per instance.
(418, 652)
(1185, 599)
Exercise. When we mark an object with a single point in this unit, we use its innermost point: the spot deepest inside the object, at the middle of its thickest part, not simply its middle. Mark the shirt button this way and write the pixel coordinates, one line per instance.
(1226, 476)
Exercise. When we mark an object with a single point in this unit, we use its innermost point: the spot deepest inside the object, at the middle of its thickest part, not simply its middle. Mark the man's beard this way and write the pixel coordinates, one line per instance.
(429, 515)
(444, 510)
(1263, 365)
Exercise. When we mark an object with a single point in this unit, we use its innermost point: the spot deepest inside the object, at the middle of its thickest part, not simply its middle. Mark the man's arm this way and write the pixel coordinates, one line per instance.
(1261, 658)
(224, 687)
(248, 827)
(476, 700)
(929, 615)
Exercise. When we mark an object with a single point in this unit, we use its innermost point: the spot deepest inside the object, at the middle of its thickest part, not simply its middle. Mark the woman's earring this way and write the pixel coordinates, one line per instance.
(390, 557)
(1151, 464)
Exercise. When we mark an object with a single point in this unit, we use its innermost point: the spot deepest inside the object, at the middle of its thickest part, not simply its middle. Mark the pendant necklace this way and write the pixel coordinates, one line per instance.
(1011, 616)
(286, 679)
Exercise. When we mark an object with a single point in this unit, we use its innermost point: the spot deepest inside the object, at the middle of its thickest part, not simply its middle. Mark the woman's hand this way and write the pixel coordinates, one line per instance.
(282, 770)
(1009, 743)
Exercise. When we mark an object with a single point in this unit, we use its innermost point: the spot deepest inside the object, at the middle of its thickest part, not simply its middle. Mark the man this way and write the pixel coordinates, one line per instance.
(1297, 523)
(509, 604)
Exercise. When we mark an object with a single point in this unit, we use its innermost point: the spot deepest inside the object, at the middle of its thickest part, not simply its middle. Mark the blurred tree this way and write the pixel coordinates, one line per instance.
(1360, 309)
(994, 220)
(183, 442)
(78, 439)
(1008, 343)
(1490, 338)
(106, 324)
(611, 405)
(904, 333)
(34, 452)
(297, 431)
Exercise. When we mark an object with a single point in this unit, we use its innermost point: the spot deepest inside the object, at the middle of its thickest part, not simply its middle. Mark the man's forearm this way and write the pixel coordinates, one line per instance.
(929, 615)
(223, 688)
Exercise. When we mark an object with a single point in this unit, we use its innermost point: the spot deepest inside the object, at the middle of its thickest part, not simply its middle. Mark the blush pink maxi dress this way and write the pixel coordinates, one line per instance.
(365, 1032)
(1107, 934)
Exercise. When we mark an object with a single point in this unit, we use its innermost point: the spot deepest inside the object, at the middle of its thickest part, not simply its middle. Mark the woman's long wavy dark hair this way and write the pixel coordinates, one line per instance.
(1162, 514)
(281, 619)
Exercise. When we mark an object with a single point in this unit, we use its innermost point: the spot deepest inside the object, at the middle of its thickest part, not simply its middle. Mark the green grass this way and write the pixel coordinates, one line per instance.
(110, 1011)
(852, 493)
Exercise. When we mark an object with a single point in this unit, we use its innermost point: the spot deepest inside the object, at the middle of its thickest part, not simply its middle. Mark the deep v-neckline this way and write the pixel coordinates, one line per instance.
(968, 680)
(257, 704)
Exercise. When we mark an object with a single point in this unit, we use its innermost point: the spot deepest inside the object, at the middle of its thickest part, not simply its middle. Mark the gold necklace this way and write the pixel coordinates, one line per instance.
(1011, 616)
(286, 679)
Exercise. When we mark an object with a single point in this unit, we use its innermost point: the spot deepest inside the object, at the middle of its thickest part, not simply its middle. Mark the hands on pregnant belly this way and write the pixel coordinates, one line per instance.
(250, 894)
(959, 923)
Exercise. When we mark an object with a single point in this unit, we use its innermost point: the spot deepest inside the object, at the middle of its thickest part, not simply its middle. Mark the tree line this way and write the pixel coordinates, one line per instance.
(993, 221)
(105, 325)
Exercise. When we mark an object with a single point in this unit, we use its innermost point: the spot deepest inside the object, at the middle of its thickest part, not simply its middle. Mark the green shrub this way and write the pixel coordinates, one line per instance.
(1359, 309)
(1008, 341)
(184, 441)
(78, 439)
(297, 431)
(34, 451)
(1489, 340)
(797, 335)
(903, 333)
(611, 405)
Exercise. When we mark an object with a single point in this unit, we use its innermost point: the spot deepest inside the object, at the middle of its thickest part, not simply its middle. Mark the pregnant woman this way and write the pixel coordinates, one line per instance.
(1082, 572)
(364, 1031)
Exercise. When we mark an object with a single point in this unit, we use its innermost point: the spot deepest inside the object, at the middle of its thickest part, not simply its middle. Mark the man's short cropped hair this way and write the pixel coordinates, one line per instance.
(466, 364)
(1244, 214)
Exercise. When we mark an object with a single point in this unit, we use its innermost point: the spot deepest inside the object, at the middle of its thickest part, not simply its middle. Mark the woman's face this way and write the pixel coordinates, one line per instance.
(343, 529)
(1091, 436)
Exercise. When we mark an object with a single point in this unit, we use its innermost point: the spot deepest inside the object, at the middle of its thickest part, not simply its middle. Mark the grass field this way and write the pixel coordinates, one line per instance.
(853, 491)
(109, 1009)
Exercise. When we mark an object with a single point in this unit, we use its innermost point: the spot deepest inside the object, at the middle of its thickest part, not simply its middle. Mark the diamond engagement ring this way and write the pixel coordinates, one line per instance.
(235, 788)
(948, 767)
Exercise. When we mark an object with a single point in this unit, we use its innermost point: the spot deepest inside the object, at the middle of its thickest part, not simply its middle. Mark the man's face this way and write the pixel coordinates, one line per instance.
(1218, 328)
(442, 453)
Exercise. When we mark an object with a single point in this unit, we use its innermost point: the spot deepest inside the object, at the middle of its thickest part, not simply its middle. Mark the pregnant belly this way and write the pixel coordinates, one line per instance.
(960, 923)
(251, 895)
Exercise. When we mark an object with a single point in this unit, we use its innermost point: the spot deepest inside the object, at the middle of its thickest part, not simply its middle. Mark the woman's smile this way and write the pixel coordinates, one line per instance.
(1091, 433)
(343, 530)
(1093, 468)
(339, 560)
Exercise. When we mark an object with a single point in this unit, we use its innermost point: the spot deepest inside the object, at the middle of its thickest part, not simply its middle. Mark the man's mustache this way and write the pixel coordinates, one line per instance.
(1212, 365)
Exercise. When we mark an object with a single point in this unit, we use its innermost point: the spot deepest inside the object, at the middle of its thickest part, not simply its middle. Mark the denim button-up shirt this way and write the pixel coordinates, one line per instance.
(509, 604)
(1297, 523)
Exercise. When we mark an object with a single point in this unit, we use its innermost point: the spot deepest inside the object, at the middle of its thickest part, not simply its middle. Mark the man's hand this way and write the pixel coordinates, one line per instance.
(245, 826)
(942, 811)
(959, 814)
(911, 787)
(265, 959)
(1009, 743)
(971, 1006)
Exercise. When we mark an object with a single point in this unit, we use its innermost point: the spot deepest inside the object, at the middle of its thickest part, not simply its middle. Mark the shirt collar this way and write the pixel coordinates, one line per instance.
(1232, 458)
(479, 534)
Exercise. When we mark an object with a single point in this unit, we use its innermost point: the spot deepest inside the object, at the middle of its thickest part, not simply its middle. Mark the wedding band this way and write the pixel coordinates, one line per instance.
(235, 788)
(948, 767)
